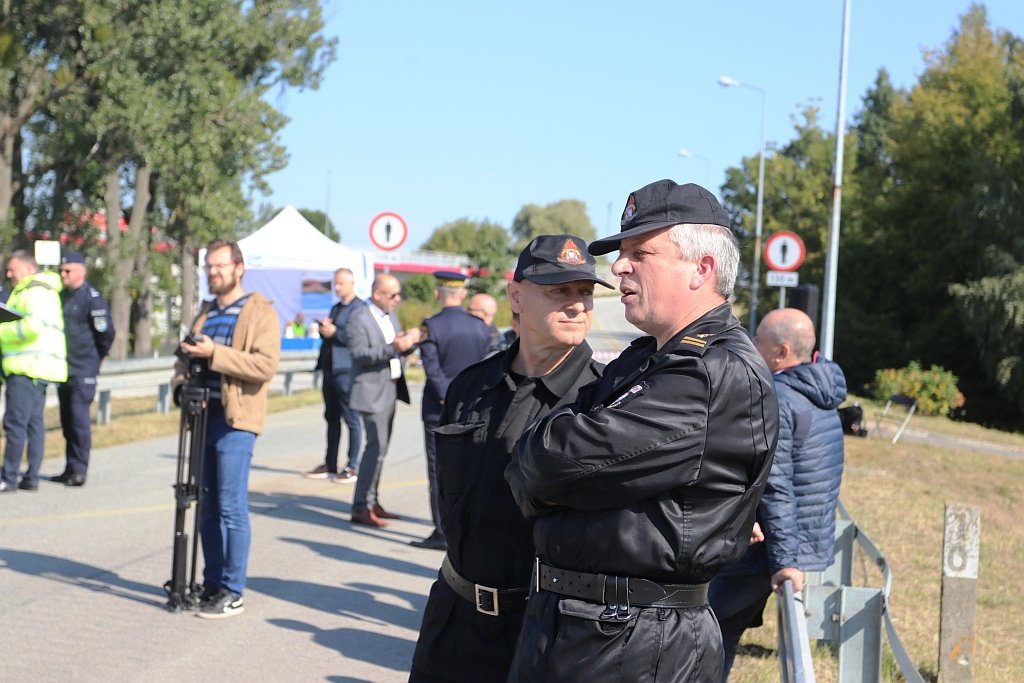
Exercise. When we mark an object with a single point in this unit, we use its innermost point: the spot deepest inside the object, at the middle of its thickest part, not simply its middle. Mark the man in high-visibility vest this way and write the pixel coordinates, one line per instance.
(34, 356)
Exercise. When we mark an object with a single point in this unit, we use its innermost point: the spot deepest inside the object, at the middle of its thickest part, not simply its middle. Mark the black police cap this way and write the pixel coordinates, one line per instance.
(662, 205)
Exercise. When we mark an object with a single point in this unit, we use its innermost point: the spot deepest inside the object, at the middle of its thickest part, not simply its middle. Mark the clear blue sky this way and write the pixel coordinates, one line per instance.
(467, 109)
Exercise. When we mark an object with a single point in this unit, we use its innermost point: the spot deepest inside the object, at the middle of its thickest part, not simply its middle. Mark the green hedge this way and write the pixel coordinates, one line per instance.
(935, 389)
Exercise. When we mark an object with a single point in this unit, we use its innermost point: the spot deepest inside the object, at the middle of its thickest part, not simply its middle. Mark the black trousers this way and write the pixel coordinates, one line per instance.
(76, 396)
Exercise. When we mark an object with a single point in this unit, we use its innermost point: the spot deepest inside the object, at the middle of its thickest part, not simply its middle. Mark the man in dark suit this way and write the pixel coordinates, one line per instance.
(455, 339)
(377, 343)
(335, 364)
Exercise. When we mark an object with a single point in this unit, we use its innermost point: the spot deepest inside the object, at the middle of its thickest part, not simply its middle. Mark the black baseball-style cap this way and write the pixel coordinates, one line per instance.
(662, 205)
(72, 257)
(555, 259)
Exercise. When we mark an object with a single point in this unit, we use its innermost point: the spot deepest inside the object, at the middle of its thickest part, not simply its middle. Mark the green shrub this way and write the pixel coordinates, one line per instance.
(935, 389)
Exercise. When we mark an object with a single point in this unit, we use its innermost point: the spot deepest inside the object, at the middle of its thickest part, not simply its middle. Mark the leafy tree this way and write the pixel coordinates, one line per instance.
(175, 123)
(321, 222)
(565, 216)
(485, 244)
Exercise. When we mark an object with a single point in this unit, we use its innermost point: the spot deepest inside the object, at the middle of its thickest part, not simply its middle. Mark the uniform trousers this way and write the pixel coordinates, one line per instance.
(430, 446)
(76, 396)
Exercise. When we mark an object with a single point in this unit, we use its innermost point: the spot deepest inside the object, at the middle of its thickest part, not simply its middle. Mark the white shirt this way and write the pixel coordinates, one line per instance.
(388, 330)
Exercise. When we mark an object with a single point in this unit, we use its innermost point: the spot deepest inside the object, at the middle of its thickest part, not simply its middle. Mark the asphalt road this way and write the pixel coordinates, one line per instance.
(82, 570)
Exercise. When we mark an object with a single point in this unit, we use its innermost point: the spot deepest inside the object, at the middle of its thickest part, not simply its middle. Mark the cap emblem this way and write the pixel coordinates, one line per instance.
(630, 210)
(571, 254)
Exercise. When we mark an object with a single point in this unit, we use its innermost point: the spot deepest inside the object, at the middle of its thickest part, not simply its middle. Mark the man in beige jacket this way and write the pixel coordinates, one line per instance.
(237, 337)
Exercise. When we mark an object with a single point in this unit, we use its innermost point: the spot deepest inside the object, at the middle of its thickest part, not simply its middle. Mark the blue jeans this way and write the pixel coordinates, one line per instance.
(23, 421)
(224, 511)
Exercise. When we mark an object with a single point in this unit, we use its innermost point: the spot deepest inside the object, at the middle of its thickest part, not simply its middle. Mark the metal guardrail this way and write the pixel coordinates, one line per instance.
(155, 374)
(833, 610)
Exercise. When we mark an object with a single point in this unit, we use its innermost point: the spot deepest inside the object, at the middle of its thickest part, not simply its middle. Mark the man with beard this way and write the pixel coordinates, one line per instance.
(476, 606)
(646, 486)
(238, 336)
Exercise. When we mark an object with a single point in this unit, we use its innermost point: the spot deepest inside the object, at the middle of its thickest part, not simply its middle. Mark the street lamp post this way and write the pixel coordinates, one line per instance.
(727, 82)
(685, 153)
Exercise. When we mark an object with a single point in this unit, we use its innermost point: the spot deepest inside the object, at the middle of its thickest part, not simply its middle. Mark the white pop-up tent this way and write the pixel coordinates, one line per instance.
(291, 262)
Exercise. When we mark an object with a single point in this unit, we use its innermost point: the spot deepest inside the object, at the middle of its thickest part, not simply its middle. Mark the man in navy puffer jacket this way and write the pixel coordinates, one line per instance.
(797, 511)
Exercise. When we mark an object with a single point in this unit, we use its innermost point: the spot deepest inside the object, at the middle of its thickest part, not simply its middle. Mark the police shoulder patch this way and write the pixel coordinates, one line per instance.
(633, 392)
(100, 323)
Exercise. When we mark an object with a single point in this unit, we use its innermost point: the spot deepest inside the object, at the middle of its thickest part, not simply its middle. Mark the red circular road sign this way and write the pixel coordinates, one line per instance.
(388, 231)
(784, 251)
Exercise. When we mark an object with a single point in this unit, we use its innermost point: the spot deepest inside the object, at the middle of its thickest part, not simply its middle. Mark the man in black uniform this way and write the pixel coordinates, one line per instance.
(455, 339)
(476, 606)
(646, 486)
(89, 332)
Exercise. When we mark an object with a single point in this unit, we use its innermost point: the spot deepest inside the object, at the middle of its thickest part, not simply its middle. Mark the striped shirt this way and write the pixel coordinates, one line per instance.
(219, 326)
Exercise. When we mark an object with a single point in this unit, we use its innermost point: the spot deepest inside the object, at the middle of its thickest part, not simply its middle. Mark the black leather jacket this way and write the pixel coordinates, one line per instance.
(656, 470)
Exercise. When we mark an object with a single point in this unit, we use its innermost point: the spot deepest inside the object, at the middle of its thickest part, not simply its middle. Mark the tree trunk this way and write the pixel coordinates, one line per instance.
(123, 250)
(6, 169)
(144, 298)
(189, 282)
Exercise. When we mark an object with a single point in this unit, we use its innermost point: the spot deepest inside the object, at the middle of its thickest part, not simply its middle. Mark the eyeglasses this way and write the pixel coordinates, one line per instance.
(65, 271)
(217, 266)
(388, 295)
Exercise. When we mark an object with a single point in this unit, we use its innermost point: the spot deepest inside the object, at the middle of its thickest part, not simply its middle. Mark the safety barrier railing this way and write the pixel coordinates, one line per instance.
(835, 611)
(155, 374)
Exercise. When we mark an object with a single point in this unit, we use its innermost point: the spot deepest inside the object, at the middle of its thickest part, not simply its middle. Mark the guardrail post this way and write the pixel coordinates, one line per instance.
(860, 635)
(287, 384)
(960, 542)
(840, 572)
(103, 409)
(163, 399)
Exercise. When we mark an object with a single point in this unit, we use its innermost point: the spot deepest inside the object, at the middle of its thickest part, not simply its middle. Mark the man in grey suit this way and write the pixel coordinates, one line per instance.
(377, 343)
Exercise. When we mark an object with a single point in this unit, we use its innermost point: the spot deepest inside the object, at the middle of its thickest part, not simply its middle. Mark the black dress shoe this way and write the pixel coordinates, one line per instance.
(24, 485)
(431, 542)
(61, 478)
(76, 479)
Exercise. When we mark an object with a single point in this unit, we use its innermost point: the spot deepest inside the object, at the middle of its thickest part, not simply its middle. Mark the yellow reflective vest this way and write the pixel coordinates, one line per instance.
(34, 346)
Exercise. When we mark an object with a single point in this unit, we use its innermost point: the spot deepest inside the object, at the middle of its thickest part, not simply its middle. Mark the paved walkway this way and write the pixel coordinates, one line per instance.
(82, 570)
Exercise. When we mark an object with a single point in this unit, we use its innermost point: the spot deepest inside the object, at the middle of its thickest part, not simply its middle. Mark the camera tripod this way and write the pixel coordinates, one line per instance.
(182, 591)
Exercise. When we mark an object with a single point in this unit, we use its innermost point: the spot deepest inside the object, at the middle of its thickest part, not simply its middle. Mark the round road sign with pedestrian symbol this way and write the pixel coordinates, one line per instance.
(388, 231)
(784, 251)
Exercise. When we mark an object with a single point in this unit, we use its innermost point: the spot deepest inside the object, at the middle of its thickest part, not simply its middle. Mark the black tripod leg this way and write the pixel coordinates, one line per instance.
(182, 593)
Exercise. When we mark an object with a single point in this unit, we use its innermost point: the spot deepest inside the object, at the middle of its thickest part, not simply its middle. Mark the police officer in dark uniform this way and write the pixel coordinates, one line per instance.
(476, 606)
(89, 332)
(646, 486)
(455, 339)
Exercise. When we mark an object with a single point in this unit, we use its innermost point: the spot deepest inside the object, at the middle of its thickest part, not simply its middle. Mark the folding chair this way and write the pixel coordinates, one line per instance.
(897, 401)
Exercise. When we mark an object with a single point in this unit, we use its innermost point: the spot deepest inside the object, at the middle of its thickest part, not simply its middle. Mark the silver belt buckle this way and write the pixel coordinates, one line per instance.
(536, 575)
(481, 591)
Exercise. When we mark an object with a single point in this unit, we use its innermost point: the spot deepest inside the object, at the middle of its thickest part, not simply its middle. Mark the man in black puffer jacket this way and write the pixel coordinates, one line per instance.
(797, 512)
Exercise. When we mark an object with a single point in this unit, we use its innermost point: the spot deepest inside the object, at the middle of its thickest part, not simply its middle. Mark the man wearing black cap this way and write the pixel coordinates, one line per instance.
(89, 332)
(646, 486)
(455, 339)
(476, 606)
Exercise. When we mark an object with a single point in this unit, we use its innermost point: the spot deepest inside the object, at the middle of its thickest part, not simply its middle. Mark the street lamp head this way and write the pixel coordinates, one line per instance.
(685, 152)
(727, 82)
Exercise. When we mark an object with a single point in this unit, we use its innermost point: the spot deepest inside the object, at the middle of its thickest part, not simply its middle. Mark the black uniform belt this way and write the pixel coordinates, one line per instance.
(619, 590)
(491, 601)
